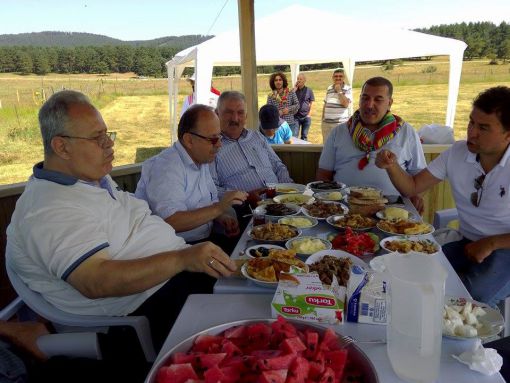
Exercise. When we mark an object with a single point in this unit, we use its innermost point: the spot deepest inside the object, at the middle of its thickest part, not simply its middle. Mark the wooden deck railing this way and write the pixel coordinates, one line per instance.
(301, 160)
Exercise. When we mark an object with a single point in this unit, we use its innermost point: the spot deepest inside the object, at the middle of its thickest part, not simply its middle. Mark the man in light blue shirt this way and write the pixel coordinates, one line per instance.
(245, 160)
(274, 129)
(177, 183)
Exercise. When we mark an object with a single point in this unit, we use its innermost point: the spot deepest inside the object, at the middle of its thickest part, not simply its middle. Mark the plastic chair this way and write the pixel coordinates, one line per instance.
(441, 220)
(81, 323)
(84, 344)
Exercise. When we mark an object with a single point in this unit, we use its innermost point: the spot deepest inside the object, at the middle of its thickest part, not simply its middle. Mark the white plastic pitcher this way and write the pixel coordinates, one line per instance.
(415, 299)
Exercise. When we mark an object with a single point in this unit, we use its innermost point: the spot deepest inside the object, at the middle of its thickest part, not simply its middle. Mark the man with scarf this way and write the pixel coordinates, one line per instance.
(349, 153)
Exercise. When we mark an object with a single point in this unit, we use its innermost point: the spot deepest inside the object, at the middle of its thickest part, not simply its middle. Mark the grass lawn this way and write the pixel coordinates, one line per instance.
(138, 109)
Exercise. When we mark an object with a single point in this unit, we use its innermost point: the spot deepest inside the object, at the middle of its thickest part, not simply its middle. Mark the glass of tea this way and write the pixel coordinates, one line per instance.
(258, 219)
(271, 190)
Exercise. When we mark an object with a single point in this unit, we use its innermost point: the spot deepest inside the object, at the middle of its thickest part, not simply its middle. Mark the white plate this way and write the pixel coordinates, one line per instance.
(325, 196)
(314, 221)
(305, 210)
(431, 228)
(380, 214)
(315, 190)
(267, 246)
(272, 241)
(270, 285)
(294, 198)
(332, 219)
(337, 254)
(410, 238)
(262, 210)
(289, 243)
(493, 322)
(289, 188)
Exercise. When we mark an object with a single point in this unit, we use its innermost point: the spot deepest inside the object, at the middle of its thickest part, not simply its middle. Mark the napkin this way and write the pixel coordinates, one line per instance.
(484, 360)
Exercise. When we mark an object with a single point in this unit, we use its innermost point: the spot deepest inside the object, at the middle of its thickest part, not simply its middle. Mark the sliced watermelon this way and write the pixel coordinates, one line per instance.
(206, 343)
(273, 376)
(298, 371)
(293, 345)
(329, 341)
(206, 361)
(276, 363)
(328, 376)
(317, 368)
(235, 332)
(312, 343)
(231, 349)
(182, 357)
(176, 373)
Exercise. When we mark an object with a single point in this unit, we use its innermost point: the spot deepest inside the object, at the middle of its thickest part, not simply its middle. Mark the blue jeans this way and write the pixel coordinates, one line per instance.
(303, 123)
(487, 282)
(294, 128)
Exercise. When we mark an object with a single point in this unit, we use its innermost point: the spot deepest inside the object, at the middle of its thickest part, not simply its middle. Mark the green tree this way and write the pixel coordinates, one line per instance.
(40, 60)
(24, 64)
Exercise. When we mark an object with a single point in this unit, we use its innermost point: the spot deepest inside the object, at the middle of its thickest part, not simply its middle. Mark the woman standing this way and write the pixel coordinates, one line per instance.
(284, 99)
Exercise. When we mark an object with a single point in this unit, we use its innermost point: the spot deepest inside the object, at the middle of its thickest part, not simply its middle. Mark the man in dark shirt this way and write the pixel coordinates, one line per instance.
(306, 99)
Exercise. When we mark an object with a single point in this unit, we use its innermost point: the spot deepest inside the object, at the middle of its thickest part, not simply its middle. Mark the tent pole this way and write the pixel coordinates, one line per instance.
(248, 60)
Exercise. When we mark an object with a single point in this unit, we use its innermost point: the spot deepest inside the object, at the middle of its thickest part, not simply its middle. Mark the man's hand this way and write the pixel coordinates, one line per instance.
(208, 258)
(285, 111)
(231, 198)
(337, 88)
(385, 159)
(230, 225)
(418, 203)
(254, 196)
(477, 251)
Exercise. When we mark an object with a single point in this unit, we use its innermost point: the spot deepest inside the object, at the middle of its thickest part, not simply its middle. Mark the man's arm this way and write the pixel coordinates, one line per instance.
(477, 251)
(99, 276)
(407, 184)
(188, 220)
(310, 111)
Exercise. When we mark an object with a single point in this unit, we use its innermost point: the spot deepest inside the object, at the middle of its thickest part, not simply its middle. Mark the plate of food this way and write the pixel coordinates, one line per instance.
(392, 212)
(329, 186)
(354, 221)
(276, 210)
(294, 198)
(289, 188)
(329, 196)
(465, 318)
(299, 222)
(273, 233)
(324, 209)
(405, 227)
(407, 244)
(189, 357)
(307, 245)
(265, 272)
(356, 243)
(261, 250)
(333, 262)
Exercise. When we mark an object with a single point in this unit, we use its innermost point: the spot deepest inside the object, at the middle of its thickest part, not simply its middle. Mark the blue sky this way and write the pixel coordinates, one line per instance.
(142, 20)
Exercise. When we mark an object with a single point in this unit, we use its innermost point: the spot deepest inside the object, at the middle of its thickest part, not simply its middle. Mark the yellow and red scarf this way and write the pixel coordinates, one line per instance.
(366, 140)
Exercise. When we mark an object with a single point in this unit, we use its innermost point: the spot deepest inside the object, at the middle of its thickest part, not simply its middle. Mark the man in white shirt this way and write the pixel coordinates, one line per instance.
(89, 248)
(479, 173)
(177, 183)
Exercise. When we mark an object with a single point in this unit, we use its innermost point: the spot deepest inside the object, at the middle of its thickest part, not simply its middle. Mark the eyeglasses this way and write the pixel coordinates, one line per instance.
(212, 140)
(476, 196)
(102, 140)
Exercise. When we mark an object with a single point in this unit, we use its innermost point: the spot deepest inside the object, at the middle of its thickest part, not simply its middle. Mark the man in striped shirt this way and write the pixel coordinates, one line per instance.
(336, 105)
(245, 161)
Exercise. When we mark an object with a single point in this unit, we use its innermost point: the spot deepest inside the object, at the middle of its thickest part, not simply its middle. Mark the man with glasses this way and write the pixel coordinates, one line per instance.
(479, 173)
(178, 186)
(87, 247)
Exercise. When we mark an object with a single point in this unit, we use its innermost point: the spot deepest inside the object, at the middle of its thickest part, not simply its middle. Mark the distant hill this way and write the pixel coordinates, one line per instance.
(74, 39)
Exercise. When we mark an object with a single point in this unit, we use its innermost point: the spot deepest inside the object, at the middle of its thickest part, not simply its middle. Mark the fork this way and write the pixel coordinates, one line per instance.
(347, 340)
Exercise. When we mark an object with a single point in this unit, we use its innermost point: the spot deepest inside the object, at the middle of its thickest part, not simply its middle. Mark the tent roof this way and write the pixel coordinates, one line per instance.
(353, 40)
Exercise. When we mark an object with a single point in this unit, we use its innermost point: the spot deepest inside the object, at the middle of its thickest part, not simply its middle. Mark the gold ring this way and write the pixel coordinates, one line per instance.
(210, 263)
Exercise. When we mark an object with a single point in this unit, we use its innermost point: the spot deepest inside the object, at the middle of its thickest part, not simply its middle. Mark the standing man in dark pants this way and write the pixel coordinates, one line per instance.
(304, 113)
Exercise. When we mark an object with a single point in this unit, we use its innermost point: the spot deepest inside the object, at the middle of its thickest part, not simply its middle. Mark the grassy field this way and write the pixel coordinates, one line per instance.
(138, 108)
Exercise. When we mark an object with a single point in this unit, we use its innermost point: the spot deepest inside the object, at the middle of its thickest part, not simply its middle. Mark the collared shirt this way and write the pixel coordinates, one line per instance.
(341, 156)
(247, 163)
(461, 167)
(60, 222)
(281, 135)
(173, 182)
(333, 111)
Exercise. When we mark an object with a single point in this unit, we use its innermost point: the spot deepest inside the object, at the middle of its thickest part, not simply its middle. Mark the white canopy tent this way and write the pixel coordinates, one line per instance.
(362, 42)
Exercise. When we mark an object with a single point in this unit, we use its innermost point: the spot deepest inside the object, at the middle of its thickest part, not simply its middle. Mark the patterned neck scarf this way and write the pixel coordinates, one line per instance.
(366, 140)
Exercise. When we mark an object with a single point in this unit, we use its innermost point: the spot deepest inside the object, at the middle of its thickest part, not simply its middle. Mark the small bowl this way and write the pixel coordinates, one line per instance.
(293, 198)
(295, 230)
(326, 195)
(265, 246)
(291, 242)
(296, 209)
(316, 188)
(314, 221)
(335, 218)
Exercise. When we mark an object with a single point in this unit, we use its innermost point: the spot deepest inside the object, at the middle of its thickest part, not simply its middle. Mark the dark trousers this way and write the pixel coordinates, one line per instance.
(303, 123)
